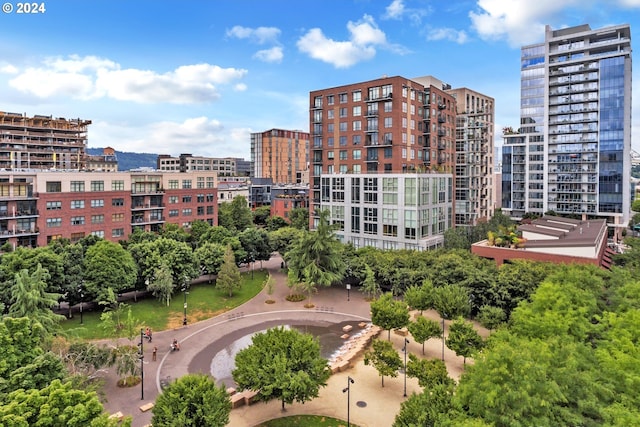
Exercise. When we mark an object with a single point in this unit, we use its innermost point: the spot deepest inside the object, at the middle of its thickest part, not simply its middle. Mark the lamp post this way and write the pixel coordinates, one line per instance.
(404, 349)
(141, 358)
(443, 339)
(347, 390)
(81, 301)
(184, 290)
(253, 260)
(348, 289)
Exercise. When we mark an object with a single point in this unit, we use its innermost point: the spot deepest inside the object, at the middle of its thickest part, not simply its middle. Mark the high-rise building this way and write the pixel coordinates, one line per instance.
(279, 154)
(572, 152)
(42, 142)
(382, 160)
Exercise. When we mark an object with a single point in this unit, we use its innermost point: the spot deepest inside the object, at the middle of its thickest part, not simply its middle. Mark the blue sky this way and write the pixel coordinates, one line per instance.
(198, 77)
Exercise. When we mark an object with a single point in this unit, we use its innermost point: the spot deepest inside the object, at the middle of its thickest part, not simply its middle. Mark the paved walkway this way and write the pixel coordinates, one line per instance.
(370, 404)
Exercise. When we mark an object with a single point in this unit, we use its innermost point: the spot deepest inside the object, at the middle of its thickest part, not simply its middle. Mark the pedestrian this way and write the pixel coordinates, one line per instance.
(155, 351)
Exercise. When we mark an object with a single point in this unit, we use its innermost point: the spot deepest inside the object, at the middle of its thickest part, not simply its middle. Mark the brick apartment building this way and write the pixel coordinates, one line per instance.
(279, 154)
(37, 207)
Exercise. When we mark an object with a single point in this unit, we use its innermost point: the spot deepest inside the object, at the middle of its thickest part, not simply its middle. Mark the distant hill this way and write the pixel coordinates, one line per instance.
(128, 161)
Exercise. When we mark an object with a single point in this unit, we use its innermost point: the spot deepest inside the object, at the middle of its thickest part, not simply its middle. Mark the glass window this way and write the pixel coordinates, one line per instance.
(97, 219)
(77, 186)
(77, 204)
(117, 217)
(97, 185)
(117, 185)
(117, 202)
(117, 232)
(54, 222)
(356, 96)
(97, 203)
(186, 183)
(54, 206)
(77, 220)
(54, 187)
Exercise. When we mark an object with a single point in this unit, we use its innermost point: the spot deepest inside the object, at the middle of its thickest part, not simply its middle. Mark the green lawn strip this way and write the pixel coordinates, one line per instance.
(203, 302)
(305, 421)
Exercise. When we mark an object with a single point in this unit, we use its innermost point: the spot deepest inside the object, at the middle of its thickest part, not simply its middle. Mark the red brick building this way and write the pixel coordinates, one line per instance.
(37, 207)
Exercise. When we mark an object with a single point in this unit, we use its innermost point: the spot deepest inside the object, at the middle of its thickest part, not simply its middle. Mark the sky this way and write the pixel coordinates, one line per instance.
(198, 76)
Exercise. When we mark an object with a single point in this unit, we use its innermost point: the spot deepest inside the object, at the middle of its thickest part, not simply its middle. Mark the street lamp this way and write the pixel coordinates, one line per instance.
(347, 390)
(141, 358)
(348, 289)
(81, 302)
(406, 341)
(253, 260)
(184, 290)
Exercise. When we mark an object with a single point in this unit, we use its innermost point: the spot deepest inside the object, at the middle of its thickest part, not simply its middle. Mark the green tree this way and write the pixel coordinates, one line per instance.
(451, 301)
(389, 313)
(255, 243)
(229, 278)
(429, 372)
(58, 404)
(261, 214)
(30, 299)
(491, 317)
(162, 286)
(422, 329)
(299, 218)
(192, 400)
(127, 364)
(316, 258)
(282, 364)
(419, 297)
(282, 239)
(429, 408)
(635, 206)
(236, 215)
(464, 339)
(370, 285)
(209, 256)
(276, 222)
(384, 358)
(108, 265)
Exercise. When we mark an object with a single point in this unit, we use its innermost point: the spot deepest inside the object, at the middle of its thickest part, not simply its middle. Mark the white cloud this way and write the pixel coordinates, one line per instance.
(9, 69)
(450, 34)
(394, 10)
(364, 37)
(260, 35)
(629, 3)
(520, 22)
(270, 55)
(93, 77)
(240, 87)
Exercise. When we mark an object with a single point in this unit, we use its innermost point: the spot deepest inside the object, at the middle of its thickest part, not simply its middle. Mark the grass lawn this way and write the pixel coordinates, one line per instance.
(305, 421)
(203, 302)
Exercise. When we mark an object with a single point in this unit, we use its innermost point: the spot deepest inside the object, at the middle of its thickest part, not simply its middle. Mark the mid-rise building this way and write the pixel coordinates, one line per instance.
(287, 197)
(105, 162)
(572, 152)
(39, 206)
(42, 142)
(225, 166)
(279, 154)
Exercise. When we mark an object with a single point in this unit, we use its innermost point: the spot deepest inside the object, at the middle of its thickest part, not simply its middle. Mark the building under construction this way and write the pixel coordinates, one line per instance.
(42, 142)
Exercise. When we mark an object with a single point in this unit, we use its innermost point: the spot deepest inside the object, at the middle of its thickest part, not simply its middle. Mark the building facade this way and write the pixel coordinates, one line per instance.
(383, 126)
(279, 154)
(105, 162)
(42, 142)
(389, 211)
(37, 207)
(571, 154)
(225, 166)
(287, 197)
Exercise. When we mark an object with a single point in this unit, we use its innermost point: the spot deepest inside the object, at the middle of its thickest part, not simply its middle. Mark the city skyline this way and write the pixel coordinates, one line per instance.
(200, 77)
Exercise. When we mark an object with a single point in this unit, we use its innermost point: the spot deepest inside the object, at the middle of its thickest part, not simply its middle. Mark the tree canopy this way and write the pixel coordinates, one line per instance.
(282, 364)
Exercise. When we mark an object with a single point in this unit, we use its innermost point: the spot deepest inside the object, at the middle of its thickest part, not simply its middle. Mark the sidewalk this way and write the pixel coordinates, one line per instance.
(370, 403)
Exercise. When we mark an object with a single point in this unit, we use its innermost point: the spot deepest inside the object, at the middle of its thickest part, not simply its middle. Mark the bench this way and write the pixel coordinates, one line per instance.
(147, 406)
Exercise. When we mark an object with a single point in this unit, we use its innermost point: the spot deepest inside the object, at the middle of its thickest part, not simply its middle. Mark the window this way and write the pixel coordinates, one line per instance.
(117, 185)
(186, 199)
(54, 206)
(54, 222)
(77, 186)
(357, 154)
(97, 219)
(173, 184)
(186, 183)
(97, 185)
(200, 210)
(343, 126)
(357, 111)
(330, 155)
(77, 204)
(343, 154)
(356, 168)
(77, 220)
(209, 197)
(388, 122)
(97, 203)
(117, 202)
(54, 187)
(200, 198)
(117, 232)
(99, 233)
(173, 212)
(330, 115)
(76, 236)
(117, 217)
(356, 96)
(186, 212)
(330, 100)
(173, 200)
(343, 98)
(357, 125)
(209, 210)
(356, 140)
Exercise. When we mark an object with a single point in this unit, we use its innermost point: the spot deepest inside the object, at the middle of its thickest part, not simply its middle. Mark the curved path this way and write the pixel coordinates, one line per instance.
(371, 405)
